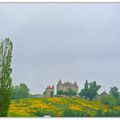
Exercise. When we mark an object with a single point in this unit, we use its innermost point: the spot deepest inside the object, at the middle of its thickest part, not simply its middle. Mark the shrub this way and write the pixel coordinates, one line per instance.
(109, 100)
(59, 92)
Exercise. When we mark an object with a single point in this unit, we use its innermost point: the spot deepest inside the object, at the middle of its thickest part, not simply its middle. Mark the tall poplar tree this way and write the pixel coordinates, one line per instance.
(5, 75)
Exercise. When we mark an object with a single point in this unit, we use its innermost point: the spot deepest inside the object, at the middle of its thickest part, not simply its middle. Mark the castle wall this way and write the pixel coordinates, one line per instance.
(48, 92)
(64, 87)
(60, 87)
(76, 90)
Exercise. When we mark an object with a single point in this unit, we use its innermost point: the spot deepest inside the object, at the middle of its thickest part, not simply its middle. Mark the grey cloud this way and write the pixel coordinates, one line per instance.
(71, 41)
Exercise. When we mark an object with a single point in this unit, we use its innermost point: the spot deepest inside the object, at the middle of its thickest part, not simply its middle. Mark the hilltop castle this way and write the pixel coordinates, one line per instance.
(66, 86)
(64, 89)
(61, 87)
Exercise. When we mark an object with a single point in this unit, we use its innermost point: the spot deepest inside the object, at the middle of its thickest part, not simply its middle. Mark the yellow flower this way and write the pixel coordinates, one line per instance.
(75, 107)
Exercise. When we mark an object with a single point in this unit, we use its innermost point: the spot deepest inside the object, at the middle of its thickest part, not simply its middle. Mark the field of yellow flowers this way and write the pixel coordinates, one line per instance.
(38, 107)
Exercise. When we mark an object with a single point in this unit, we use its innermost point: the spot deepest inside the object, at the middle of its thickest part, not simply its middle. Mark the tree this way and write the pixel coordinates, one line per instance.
(84, 92)
(70, 92)
(109, 100)
(114, 92)
(5, 75)
(60, 92)
(15, 92)
(86, 85)
(90, 90)
(21, 91)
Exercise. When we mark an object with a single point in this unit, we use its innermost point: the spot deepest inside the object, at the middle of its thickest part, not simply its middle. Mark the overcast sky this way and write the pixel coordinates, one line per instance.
(68, 41)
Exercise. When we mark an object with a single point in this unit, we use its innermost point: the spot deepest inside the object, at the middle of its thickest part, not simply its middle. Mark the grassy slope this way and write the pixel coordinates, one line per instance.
(54, 107)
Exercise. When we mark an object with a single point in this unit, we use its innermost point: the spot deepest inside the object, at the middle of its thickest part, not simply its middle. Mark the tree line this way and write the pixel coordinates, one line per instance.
(90, 91)
(20, 91)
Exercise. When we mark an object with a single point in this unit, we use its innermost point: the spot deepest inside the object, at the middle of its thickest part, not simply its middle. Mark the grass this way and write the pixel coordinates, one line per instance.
(56, 107)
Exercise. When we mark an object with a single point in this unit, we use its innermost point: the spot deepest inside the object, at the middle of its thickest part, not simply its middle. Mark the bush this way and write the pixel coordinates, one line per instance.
(20, 91)
(118, 101)
(59, 92)
(109, 100)
(70, 92)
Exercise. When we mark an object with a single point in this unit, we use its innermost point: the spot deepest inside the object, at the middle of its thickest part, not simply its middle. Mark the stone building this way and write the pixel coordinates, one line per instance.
(104, 93)
(67, 85)
(99, 96)
(49, 91)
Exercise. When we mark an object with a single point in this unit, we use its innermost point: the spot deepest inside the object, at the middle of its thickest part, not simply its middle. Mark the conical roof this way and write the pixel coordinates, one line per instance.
(75, 83)
(60, 82)
(52, 86)
(103, 93)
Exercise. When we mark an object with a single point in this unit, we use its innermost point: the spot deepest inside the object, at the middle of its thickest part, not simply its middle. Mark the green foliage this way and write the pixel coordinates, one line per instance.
(67, 107)
(118, 101)
(84, 92)
(59, 92)
(97, 97)
(70, 92)
(114, 92)
(109, 100)
(99, 113)
(86, 85)
(110, 113)
(5, 78)
(21, 91)
(90, 90)
(73, 113)
(113, 98)
(42, 113)
(12, 114)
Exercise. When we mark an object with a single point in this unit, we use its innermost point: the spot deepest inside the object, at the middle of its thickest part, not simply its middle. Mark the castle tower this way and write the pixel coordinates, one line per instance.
(49, 92)
(76, 87)
(53, 87)
(60, 85)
